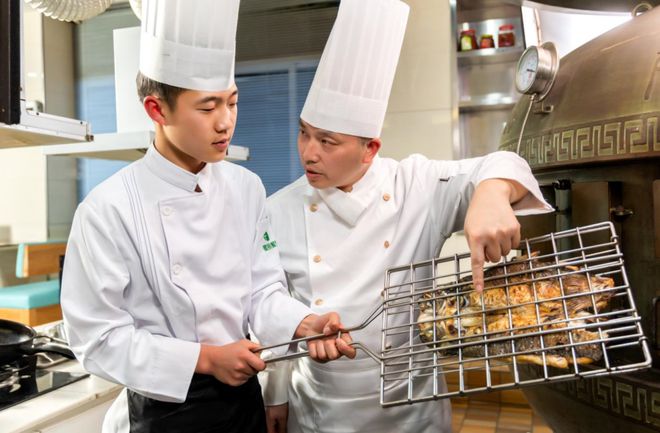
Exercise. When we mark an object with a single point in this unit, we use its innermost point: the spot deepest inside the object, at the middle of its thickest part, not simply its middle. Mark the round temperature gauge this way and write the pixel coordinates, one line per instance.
(537, 69)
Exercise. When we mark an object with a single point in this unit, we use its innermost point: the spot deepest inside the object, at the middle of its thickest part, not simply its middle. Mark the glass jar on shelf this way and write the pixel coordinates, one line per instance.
(468, 40)
(487, 41)
(506, 36)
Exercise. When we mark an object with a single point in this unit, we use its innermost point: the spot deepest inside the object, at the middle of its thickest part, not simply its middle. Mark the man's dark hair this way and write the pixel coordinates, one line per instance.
(146, 86)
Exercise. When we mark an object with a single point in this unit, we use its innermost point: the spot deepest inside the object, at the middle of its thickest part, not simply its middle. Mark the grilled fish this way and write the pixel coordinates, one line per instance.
(497, 323)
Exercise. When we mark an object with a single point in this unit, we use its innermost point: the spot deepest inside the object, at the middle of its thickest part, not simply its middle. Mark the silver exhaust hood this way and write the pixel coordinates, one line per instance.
(20, 126)
(36, 129)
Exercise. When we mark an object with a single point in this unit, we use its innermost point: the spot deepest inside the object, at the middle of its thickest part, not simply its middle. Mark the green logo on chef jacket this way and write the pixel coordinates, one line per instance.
(269, 245)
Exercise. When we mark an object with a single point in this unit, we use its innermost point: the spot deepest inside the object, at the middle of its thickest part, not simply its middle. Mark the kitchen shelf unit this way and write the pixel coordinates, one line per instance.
(124, 146)
(485, 56)
(485, 77)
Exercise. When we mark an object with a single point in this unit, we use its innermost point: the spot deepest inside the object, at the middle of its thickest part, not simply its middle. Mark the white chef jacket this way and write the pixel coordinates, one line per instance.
(335, 247)
(154, 268)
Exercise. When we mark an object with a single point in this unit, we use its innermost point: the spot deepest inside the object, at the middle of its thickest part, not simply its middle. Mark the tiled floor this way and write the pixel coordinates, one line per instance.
(478, 416)
(491, 412)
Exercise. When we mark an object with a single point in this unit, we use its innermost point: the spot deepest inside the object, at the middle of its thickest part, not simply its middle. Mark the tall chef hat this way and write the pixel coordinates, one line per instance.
(189, 44)
(354, 78)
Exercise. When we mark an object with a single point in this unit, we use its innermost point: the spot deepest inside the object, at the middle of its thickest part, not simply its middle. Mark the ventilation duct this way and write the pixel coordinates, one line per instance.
(70, 10)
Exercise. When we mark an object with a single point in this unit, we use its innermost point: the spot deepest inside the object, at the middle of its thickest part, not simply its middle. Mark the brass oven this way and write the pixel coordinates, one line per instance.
(594, 145)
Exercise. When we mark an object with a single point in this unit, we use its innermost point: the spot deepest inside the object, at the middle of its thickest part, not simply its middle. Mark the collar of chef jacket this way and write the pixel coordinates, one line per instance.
(175, 175)
(349, 206)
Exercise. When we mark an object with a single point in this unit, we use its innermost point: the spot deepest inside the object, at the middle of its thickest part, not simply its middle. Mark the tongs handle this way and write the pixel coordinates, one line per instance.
(294, 341)
(375, 313)
(290, 356)
(304, 353)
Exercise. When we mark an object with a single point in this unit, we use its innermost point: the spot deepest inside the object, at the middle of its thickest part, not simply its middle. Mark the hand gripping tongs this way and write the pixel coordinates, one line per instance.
(303, 353)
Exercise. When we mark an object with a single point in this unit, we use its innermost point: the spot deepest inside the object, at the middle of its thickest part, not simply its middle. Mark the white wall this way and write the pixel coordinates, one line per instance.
(59, 88)
(23, 192)
(419, 117)
(33, 59)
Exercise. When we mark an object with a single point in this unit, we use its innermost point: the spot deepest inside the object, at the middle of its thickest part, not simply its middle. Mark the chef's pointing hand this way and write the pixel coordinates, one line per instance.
(328, 348)
(491, 227)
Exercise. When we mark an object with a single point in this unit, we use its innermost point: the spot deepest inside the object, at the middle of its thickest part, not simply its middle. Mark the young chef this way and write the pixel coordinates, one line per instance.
(354, 214)
(171, 259)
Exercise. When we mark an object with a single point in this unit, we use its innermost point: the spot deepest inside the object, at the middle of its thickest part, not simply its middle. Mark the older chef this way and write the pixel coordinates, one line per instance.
(355, 214)
(169, 261)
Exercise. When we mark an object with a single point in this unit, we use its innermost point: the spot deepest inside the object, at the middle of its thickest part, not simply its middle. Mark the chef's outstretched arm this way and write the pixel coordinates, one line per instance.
(328, 348)
(491, 227)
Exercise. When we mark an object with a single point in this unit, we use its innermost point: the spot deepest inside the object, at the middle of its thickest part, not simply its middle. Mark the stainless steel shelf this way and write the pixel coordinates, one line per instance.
(484, 104)
(489, 55)
(39, 129)
(124, 146)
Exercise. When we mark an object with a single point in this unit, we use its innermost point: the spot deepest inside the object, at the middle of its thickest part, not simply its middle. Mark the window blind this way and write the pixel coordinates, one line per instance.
(269, 109)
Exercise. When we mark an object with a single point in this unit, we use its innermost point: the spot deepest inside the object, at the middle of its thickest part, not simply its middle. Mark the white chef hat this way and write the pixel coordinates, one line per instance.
(354, 78)
(189, 44)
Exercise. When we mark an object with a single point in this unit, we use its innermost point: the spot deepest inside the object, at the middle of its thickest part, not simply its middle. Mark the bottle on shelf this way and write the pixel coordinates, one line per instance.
(468, 40)
(487, 41)
(506, 37)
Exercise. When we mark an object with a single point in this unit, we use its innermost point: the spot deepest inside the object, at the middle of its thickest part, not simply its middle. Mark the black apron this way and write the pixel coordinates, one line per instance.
(211, 407)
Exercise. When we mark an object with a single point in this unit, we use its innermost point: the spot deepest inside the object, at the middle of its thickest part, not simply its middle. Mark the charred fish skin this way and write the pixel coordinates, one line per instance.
(458, 319)
(553, 344)
(530, 345)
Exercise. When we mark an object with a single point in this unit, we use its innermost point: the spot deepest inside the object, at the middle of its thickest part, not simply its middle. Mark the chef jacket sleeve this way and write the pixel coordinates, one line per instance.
(274, 380)
(274, 315)
(452, 183)
(101, 331)
(275, 383)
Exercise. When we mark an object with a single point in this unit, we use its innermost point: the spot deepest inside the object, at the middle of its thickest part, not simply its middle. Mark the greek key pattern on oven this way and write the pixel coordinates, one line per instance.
(617, 397)
(612, 139)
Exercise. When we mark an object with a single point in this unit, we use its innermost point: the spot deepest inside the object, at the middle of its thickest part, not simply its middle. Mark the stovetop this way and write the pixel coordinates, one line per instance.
(22, 380)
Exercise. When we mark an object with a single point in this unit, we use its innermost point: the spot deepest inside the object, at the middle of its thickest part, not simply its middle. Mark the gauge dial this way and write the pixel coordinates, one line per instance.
(527, 68)
(537, 69)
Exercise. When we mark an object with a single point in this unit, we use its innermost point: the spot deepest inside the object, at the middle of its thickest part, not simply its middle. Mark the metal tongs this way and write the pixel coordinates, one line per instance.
(301, 354)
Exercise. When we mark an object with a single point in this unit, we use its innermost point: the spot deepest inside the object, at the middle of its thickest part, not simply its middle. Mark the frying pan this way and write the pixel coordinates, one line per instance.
(17, 340)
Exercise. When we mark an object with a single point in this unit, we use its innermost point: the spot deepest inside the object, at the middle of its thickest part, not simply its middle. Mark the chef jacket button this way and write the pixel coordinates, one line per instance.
(386, 197)
(317, 258)
(167, 211)
(318, 302)
(313, 207)
(386, 244)
(176, 269)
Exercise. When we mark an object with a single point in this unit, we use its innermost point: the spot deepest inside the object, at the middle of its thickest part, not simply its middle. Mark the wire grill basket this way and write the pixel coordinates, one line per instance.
(562, 311)
(567, 310)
